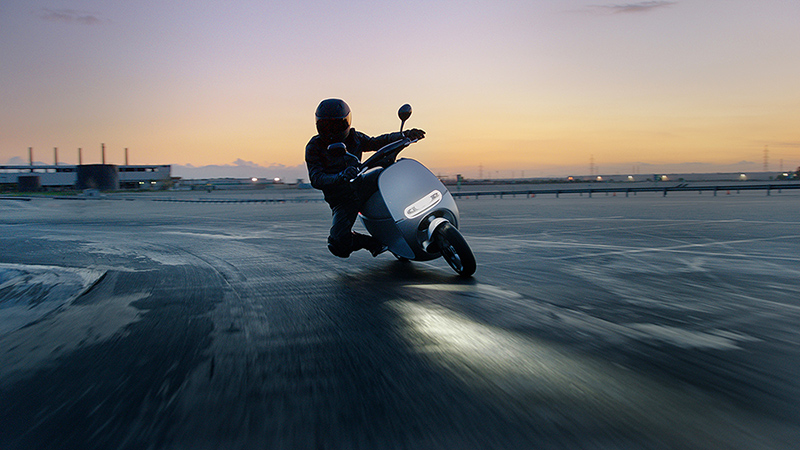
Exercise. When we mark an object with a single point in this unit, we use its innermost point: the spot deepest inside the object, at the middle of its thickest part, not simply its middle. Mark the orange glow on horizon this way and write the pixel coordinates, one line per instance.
(531, 86)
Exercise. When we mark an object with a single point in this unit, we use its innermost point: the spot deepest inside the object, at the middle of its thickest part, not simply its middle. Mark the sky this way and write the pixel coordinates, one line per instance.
(503, 88)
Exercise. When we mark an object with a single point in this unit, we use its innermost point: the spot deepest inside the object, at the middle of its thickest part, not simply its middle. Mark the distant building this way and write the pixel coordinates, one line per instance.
(144, 177)
(681, 177)
(66, 176)
(207, 184)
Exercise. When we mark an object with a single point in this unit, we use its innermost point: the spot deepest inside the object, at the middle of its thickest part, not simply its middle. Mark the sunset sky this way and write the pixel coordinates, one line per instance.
(502, 87)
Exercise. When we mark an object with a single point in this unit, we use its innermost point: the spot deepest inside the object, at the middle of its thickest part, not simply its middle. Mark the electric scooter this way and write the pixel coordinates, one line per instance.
(412, 212)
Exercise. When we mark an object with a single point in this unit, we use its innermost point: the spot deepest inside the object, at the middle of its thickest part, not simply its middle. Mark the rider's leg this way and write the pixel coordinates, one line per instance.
(340, 241)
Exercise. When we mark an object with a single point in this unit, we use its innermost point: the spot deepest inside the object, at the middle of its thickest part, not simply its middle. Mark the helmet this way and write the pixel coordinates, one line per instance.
(333, 120)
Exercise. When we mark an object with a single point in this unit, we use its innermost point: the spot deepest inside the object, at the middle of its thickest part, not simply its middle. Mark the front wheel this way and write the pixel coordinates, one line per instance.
(455, 249)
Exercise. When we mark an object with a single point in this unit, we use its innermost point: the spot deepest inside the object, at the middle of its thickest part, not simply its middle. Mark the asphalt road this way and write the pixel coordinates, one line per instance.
(647, 322)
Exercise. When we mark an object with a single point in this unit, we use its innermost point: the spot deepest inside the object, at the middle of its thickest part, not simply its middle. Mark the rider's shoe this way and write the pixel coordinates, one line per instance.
(377, 249)
(368, 242)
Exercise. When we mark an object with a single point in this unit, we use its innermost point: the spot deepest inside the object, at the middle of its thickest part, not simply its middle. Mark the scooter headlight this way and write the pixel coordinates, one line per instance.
(423, 205)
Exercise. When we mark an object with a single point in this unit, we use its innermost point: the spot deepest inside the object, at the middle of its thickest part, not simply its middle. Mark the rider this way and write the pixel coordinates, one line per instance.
(330, 170)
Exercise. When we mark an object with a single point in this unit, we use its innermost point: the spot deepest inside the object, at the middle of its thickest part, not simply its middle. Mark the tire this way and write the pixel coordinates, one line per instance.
(455, 250)
(401, 258)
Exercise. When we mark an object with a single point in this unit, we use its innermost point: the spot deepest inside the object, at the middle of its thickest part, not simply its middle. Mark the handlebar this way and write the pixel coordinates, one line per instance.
(391, 149)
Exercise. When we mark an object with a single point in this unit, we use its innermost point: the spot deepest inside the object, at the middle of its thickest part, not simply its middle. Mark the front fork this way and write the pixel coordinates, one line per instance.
(433, 223)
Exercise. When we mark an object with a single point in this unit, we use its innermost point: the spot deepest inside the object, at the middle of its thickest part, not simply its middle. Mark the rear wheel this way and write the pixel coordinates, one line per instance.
(455, 250)
(400, 258)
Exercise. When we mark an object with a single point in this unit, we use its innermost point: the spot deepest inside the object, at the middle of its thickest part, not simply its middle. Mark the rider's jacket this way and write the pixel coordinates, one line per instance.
(323, 168)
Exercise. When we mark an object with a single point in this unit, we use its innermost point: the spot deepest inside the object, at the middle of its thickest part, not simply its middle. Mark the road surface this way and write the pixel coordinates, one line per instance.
(647, 322)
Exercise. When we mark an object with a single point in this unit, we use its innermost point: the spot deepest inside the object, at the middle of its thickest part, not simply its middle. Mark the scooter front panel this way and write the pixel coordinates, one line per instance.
(411, 193)
(410, 190)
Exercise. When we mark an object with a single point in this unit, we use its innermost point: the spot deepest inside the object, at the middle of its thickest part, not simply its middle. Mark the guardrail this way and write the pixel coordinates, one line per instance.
(234, 200)
(557, 191)
(685, 187)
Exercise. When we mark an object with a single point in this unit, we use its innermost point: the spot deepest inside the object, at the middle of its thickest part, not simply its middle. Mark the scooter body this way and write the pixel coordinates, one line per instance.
(409, 205)
(411, 212)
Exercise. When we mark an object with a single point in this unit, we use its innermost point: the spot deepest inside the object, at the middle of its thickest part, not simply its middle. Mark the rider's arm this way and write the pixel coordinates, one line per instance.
(316, 170)
(371, 144)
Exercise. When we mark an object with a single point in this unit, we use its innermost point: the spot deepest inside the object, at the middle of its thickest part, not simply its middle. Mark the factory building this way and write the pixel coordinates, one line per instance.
(103, 177)
(85, 176)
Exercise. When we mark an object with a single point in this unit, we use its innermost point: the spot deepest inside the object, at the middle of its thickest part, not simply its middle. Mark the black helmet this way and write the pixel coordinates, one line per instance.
(333, 120)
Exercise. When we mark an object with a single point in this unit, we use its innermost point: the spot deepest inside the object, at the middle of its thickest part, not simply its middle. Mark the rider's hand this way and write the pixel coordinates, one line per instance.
(348, 174)
(414, 134)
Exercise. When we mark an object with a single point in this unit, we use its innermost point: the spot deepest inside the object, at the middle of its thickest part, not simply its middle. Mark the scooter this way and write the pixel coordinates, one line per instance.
(412, 212)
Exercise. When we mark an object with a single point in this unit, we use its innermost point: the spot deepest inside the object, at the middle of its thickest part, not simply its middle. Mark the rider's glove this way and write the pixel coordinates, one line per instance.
(414, 134)
(348, 174)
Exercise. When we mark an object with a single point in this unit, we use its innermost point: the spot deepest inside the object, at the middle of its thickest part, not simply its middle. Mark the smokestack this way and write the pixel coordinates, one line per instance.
(80, 156)
(126, 156)
(55, 155)
(103, 147)
(30, 155)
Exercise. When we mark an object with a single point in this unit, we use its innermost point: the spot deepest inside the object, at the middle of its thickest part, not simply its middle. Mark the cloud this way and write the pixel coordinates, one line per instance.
(640, 7)
(70, 16)
(18, 161)
(240, 169)
(242, 163)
